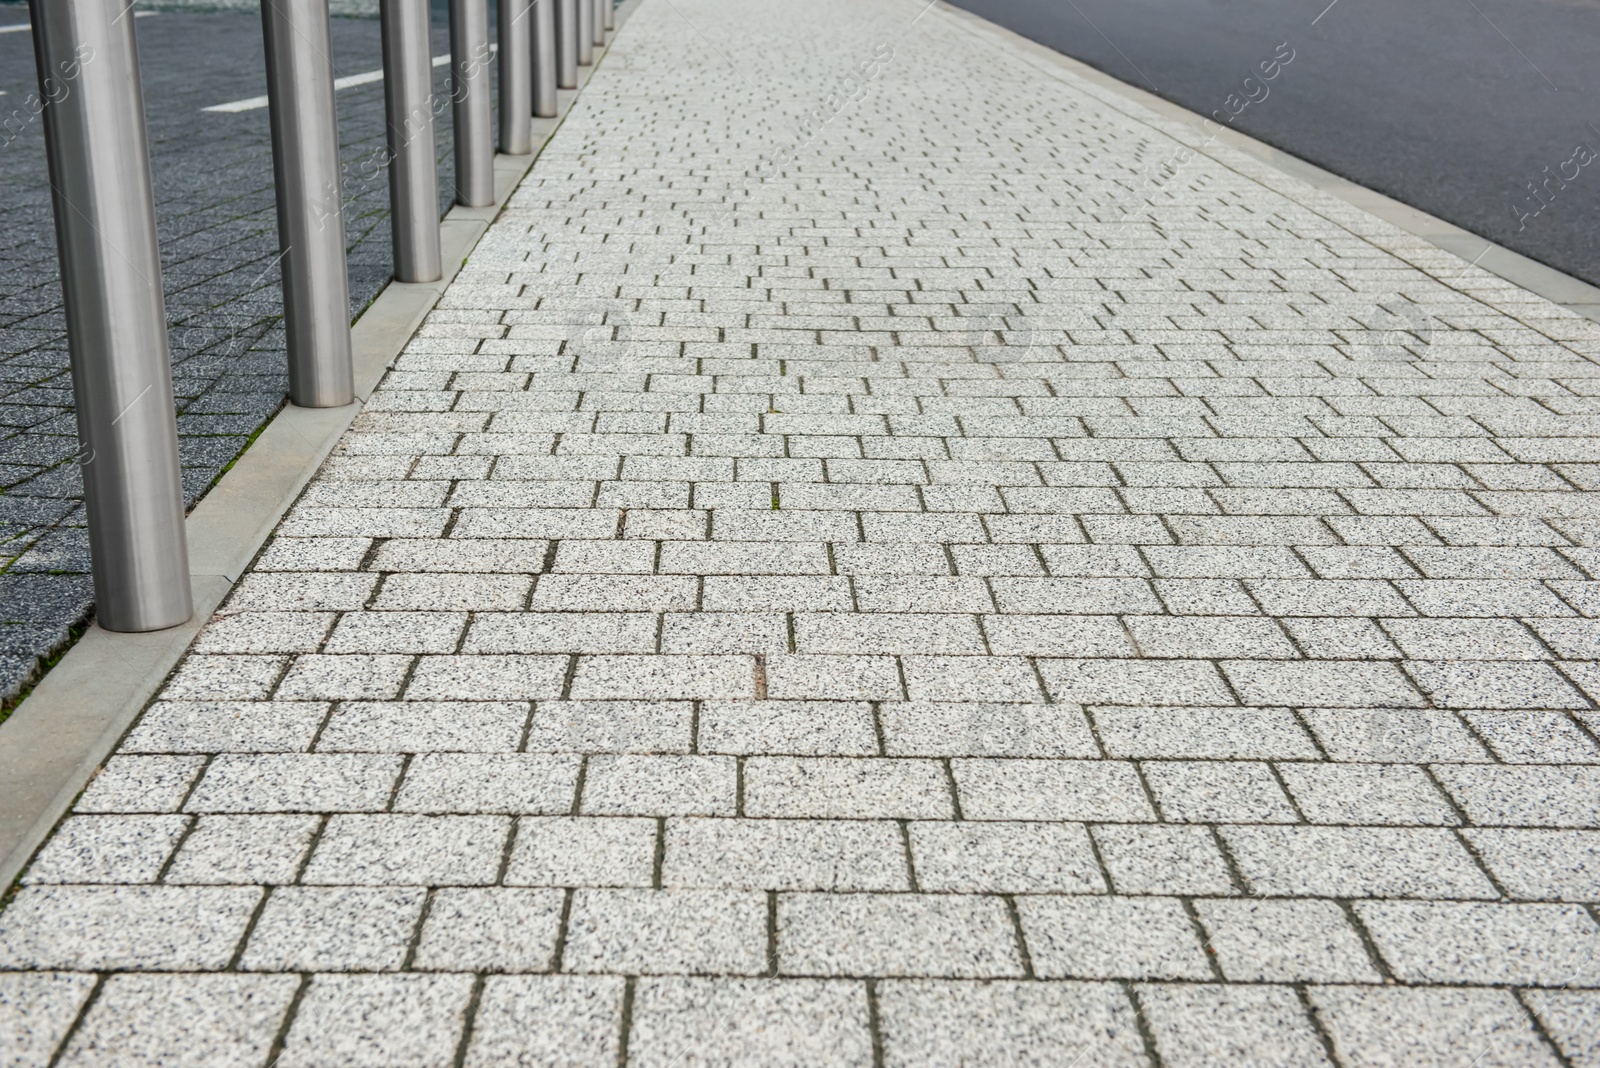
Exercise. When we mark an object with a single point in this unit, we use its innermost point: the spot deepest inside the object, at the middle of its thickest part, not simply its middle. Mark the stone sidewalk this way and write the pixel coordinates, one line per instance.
(862, 568)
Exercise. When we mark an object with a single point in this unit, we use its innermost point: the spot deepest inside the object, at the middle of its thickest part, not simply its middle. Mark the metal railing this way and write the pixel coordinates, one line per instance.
(104, 207)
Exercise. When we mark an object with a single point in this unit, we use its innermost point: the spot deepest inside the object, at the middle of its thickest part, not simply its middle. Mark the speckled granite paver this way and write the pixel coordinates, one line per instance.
(914, 603)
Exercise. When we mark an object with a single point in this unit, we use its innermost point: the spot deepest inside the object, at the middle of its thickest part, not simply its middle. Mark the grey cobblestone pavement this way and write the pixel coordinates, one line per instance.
(911, 603)
(219, 245)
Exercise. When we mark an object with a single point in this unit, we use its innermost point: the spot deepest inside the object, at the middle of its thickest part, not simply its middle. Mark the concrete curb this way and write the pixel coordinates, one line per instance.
(56, 739)
(1571, 293)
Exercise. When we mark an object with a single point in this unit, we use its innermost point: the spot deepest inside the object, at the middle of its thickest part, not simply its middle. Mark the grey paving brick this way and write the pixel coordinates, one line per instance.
(225, 678)
(610, 593)
(37, 1009)
(969, 678)
(1484, 942)
(1216, 636)
(1366, 793)
(1355, 862)
(805, 728)
(185, 1020)
(366, 1021)
(985, 729)
(1317, 682)
(226, 726)
(1206, 597)
(667, 932)
(243, 850)
(1201, 732)
(1074, 596)
(301, 592)
(1005, 858)
(660, 786)
(1395, 735)
(1050, 790)
(352, 928)
(1541, 864)
(841, 788)
(1162, 859)
(1111, 938)
(495, 929)
(1054, 635)
(423, 727)
(335, 782)
(265, 632)
(724, 632)
(1428, 1027)
(764, 854)
(1210, 791)
(740, 593)
(942, 936)
(833, 678)
(1495, 795)
(469, 678)
(1135, 682)
(88, 928)
(1464, 639)
(1329, 597)
(582, 851)
(844, 632)
(462, 555)
(351, 676)
(570, 1020)
(610, 727)
(1569, 1019)
(1285, 941)
(559, 632)
(512, 783)
(107, 849)
(1489, 684)
(1233, 1024)
(390, 848)
(778, 1022)
(1341, 639)
(665, 677)
(972, 1024)
(1535, 736)
(1574, 638)
(314, 554)
(1482, 597)
(396, 632)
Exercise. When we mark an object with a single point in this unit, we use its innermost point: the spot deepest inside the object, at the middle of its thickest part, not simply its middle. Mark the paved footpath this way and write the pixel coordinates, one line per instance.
(911, 602)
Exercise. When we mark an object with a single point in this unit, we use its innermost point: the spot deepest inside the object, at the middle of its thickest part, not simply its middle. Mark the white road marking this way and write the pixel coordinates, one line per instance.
(254, 102)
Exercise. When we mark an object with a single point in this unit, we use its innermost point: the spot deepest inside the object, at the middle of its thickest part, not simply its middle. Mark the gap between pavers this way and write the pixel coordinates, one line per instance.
(1571, 293)
(56, 739)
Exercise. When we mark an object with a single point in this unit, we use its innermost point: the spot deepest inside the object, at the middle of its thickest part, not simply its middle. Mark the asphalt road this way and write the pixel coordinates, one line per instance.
(1452, 106)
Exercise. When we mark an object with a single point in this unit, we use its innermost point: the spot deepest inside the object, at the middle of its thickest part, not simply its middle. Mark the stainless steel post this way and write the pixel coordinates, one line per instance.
(599, 20)
(469, 101)
(566, 43)
(116, 316)
(585, 32)
(610, 15)
(413, 162)
(543, 17)
(305, 166)
(516, 79)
